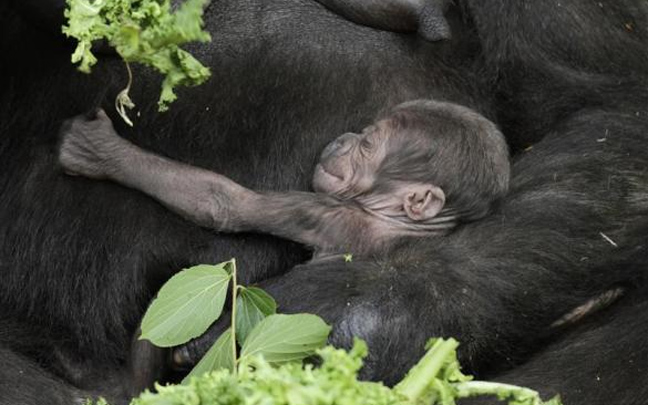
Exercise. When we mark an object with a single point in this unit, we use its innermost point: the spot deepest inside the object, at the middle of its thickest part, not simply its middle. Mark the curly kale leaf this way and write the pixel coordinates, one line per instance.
(142, 31)
(435, 380)
(258, 383)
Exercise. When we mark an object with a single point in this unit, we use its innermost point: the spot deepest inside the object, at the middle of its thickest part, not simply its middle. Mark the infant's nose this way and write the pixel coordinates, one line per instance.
(339, 146)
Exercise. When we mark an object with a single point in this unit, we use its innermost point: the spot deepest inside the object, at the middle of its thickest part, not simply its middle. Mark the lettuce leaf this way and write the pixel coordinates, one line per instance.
(435, 380)
(142, 31)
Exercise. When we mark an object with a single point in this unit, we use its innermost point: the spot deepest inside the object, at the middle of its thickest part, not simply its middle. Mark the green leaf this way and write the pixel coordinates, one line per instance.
(149, 32)
(219, 356)
(416, 384)
(285, 338)
(186, 305)
(252, 306)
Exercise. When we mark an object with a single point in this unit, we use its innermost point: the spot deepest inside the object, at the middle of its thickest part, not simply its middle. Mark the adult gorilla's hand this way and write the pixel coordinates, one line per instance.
(365, 299)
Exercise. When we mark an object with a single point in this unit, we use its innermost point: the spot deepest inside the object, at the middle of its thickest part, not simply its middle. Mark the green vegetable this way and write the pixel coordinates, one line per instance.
(252, 306)
(219, 356)
(269, 369)
(435, 380)
(193, 299)
(186, 305)
(142, 31)
(284, 338)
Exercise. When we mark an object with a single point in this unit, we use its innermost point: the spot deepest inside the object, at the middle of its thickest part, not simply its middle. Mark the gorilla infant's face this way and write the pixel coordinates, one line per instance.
(348, 165)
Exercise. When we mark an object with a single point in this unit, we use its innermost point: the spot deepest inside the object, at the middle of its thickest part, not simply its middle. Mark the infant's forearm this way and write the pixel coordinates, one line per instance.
(214, 201)
(203, 197)
(91, 147)
(317, 220)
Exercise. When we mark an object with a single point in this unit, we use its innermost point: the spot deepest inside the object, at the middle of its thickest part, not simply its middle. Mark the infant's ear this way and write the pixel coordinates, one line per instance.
(423, 201)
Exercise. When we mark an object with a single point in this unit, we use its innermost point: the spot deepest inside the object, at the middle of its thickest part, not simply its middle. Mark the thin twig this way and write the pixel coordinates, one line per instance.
(123, 100)
(234, 289)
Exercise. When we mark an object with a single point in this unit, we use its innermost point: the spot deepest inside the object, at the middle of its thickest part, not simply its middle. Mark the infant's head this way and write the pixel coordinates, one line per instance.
(427, 155)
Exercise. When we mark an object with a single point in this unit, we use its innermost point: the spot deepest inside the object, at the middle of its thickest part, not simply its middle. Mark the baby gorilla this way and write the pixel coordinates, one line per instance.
(421, 170)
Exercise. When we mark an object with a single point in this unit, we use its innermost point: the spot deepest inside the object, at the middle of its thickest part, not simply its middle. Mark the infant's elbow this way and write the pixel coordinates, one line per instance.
(223, 205)
(215, 212)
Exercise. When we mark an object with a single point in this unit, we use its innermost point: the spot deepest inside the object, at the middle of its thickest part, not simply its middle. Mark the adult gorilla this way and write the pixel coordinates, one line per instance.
(81, 259)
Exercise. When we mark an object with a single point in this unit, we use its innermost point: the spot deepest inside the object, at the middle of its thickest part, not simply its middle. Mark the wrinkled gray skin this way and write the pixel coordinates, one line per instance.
(357, 208)
(426, 17)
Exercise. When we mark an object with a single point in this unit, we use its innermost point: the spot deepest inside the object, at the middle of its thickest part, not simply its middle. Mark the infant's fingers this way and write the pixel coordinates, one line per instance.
(103, 119)
(93, 114)
(101, 114)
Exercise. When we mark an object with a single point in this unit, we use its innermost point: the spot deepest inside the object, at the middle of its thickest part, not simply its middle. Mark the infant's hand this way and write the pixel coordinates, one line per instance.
(89, 147)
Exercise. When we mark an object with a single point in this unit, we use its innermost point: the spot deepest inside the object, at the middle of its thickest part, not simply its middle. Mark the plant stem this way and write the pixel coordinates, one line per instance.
(233, 326)
(123, 100)
(419, 378)
(503, 392)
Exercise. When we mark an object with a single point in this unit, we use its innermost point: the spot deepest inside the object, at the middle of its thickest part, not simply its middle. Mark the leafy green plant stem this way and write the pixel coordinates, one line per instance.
(419, 378)
(272, 347)
(437, 379)
(149, 32)
(233, 326)
(123, 100)
(502, 391)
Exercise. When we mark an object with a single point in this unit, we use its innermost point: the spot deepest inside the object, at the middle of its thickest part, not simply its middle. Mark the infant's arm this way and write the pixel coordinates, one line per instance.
(323, 222)
(92, 148)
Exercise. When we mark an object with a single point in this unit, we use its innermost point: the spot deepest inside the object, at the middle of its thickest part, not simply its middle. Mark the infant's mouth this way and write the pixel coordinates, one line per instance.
(329, 173)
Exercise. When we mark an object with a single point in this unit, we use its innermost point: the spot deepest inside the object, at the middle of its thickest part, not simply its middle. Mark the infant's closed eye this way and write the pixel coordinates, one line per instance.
(366, 144)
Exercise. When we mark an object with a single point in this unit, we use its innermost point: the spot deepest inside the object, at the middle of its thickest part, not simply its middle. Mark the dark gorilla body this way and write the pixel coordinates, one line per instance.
(418, 171)
(80, 260)
(425, 17)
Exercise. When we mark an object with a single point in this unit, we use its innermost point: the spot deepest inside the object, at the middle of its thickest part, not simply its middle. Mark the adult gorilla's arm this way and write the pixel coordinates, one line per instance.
(423, 16)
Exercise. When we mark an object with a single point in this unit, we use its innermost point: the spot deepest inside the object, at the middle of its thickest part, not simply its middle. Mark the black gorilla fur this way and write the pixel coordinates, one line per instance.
(80, 260)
